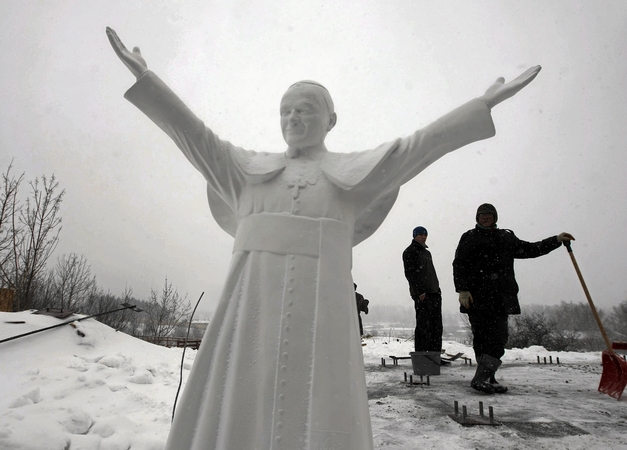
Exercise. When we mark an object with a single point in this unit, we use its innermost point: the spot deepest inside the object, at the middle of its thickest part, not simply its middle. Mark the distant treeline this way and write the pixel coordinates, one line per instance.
(30, 227)
(564, 327)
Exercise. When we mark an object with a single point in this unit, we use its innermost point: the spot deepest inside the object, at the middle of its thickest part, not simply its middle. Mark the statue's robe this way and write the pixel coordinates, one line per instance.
(280, 365)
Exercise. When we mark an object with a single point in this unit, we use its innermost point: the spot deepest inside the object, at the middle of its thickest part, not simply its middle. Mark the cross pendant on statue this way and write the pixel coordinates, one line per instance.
(297, 185)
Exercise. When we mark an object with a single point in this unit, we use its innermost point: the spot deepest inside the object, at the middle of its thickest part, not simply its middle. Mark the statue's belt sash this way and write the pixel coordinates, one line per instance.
(291, 235)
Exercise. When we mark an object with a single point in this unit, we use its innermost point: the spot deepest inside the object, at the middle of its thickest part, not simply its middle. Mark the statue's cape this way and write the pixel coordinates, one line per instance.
(345, 170)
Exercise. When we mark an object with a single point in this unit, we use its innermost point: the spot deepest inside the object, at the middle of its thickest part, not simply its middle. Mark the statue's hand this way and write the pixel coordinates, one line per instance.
(133, 60)
(500, 90)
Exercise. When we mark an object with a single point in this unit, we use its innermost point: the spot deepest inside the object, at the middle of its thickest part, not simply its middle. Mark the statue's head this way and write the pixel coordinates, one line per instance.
(307, 114)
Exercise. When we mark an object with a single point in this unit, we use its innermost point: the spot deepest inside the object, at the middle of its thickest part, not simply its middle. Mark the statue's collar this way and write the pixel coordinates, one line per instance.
(315, 153)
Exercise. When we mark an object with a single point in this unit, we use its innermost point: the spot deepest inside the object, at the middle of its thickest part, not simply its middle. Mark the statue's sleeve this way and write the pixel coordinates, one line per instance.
(392, 164)
(376, 175)
(209, 154)
(407, 157)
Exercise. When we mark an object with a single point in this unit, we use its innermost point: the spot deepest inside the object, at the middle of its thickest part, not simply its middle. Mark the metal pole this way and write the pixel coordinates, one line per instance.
(126, 306)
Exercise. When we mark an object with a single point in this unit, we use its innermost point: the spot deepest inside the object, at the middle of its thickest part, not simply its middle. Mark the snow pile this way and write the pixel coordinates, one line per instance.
(83, 386)
(86, 387)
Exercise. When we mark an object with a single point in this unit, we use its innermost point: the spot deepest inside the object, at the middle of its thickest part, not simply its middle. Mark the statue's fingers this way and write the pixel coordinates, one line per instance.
(529, 74)
(137, 50)
(115, 40)
(535, 71)
(112, 35)
(500, 80)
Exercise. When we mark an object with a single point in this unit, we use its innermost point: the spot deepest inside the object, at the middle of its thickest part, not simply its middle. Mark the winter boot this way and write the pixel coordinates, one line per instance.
(498, 388)
(486, 367)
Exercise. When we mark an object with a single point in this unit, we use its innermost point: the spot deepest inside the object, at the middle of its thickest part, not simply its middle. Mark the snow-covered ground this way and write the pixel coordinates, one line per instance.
(87, 387)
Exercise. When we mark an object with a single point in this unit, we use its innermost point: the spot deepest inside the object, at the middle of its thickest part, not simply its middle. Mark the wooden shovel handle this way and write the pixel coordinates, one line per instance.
(585, 289)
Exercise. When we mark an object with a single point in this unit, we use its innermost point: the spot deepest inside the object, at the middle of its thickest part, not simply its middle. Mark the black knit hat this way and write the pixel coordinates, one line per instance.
(487, 208)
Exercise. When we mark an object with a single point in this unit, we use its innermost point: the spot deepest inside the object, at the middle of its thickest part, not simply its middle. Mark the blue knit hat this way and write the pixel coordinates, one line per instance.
(420, 230)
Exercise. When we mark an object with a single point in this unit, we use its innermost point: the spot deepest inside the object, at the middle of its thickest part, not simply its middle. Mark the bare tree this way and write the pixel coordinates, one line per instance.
(165, 311)
(126, 320)
(73, 282)
(9, 209)
(42, 292)
(29, 233)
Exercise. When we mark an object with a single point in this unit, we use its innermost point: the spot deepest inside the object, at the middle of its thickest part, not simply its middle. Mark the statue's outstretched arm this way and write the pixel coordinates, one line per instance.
(133, 60)
(500, 90)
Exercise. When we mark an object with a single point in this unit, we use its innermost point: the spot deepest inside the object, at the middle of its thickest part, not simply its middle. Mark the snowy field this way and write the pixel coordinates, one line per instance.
(90, 388)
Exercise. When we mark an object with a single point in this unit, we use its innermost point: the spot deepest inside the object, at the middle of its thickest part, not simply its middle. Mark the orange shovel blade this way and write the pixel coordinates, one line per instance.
(614, 376)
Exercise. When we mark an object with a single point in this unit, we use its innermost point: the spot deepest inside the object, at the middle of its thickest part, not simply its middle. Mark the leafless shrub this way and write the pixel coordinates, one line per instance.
(531, 329)
(165, 311)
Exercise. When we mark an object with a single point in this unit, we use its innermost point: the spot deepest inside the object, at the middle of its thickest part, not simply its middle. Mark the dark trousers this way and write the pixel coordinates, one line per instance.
(428, 335)
(489, 334)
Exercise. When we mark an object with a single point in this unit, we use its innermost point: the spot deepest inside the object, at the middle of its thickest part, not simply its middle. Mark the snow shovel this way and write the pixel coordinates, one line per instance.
(614, 376)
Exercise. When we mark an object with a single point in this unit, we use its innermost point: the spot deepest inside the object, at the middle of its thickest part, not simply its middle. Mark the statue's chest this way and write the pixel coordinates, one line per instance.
(301, 177)
(301, 188)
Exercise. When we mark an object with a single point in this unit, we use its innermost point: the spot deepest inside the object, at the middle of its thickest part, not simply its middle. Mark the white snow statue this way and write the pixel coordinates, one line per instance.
(280, 366)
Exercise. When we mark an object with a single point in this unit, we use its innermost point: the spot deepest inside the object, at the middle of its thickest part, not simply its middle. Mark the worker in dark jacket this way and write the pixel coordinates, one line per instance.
(424, 289)
(362, 306)
(483, 271)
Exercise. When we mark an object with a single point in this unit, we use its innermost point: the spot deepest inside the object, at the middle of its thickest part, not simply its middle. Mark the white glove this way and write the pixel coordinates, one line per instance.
(465, 299)
(565, 237)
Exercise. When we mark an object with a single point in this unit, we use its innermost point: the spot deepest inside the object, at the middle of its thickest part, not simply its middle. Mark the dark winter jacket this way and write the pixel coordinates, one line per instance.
(362, 303)
(419, 271)
(484, 266)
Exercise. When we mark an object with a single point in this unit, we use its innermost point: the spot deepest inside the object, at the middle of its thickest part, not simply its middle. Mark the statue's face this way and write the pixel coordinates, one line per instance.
(305, 117)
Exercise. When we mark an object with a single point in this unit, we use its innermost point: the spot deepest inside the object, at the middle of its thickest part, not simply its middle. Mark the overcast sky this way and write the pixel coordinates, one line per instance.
(136, 209)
